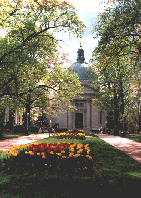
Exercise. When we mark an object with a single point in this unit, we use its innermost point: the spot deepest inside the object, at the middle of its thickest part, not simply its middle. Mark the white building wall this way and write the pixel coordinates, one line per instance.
(63, 120)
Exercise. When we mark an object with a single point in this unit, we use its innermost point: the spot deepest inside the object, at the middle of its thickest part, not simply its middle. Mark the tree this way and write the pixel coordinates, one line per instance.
(117, 59)
(29, 48)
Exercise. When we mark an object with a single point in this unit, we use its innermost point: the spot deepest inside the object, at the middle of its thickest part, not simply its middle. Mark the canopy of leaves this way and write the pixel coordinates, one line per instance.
(116, 60)
(28, 53)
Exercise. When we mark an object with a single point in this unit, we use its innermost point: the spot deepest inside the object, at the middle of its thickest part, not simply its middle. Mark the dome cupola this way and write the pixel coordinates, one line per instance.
(80, 67)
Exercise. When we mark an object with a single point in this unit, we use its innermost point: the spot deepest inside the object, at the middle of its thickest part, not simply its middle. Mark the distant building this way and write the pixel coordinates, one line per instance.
(87, 116)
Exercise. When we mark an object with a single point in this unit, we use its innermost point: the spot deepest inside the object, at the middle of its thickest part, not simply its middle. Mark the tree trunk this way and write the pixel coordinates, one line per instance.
(116, 114)
(27, 116)
(1, 123)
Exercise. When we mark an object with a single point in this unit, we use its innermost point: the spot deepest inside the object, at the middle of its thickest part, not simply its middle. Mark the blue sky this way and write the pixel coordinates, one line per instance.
(87, 12)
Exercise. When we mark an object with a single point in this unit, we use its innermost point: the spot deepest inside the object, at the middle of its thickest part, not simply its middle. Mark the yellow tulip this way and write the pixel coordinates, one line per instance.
(26, 152)
(1, 151)
(76, 155)
(90, 157)
(43, 156)
(72, 149)
(51, 152)
(63, 151)
(38, 153)
(88, 151)
(7, 153)
(64, 156)
(59, 154)
(87, 155)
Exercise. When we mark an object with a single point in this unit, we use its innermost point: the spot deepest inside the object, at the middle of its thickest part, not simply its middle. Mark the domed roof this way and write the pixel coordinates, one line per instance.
(80, 67)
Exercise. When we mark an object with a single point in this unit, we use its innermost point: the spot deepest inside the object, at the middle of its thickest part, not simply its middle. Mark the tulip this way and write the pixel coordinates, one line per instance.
(43, 153)
(59, 154)
(43, 156)
(64, 156)
(90, 157)
(71, 154)
(31, 153)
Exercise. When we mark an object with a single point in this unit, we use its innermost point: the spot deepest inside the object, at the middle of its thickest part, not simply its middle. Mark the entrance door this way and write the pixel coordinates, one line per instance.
(79, 120)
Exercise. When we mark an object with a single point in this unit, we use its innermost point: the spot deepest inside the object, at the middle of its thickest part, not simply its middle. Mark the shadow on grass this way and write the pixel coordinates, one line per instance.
(43, 186)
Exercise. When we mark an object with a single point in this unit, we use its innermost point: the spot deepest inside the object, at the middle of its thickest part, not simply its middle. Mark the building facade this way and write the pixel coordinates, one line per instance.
(87, 117)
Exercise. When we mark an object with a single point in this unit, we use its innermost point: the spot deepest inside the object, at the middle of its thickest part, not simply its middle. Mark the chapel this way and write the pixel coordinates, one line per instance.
(87, 117)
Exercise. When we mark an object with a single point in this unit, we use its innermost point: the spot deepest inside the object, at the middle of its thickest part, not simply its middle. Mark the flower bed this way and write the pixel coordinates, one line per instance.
(78, 131)
(80, 136)
(50, 157)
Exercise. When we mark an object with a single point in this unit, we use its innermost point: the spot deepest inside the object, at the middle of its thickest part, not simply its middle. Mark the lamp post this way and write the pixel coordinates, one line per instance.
(27, 114)
(27, 122)
(123, 122)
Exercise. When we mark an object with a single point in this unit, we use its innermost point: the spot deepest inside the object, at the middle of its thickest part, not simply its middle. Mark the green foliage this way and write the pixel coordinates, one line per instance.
(116, 60)
(29, 53)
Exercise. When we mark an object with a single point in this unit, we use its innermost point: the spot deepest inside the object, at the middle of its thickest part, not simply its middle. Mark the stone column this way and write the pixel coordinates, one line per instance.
(16, 117)
(5, 117)
(94, 117)
(88, 114)
(21, 118)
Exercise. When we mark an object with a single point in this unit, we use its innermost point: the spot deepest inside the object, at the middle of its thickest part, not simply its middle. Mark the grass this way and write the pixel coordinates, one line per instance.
(135, 137)
(114, 171)
(16, 135)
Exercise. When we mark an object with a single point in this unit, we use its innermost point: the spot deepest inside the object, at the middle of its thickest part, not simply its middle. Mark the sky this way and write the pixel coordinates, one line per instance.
(87, 12)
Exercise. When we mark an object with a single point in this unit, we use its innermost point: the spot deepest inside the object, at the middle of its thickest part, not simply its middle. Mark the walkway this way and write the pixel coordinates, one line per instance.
(8, 143)
(130, 147)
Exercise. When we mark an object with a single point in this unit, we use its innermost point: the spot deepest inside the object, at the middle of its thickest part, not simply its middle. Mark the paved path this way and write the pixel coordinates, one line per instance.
(130, 147)
(8, 143)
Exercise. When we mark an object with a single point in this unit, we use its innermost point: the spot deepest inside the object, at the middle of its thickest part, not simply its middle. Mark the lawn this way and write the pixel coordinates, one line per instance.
(131, 136)
(16, 135)
(113, 171)
(135, 137)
